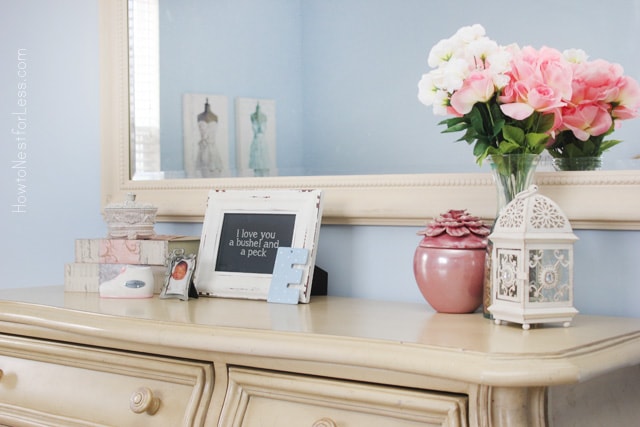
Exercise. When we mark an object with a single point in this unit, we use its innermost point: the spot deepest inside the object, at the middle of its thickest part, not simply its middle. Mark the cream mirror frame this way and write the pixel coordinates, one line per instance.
(594, 200)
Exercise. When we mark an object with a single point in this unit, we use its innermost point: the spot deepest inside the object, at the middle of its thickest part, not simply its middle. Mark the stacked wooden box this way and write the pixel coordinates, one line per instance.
(98, 260)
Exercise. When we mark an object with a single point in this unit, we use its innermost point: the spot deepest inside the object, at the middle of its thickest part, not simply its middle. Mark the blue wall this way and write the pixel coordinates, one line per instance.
(62, 168)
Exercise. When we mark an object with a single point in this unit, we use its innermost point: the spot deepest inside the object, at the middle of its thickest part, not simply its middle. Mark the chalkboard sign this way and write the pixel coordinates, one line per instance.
(249, 241)
(241, 234)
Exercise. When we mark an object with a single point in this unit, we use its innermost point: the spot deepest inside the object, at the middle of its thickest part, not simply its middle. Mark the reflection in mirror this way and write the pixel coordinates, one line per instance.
(344, 91)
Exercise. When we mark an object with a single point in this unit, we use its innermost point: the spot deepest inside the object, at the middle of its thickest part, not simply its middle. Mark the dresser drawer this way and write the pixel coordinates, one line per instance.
(52, 384)
(266, 399)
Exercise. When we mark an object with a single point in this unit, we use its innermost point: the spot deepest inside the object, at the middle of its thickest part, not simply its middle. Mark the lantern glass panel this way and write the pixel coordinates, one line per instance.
(507, 274)
(549, 275)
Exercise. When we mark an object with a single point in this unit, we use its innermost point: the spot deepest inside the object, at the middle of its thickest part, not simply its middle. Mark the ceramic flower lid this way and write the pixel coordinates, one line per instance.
(455, 229)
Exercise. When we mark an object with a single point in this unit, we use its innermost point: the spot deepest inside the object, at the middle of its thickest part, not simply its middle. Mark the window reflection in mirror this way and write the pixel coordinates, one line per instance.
(144, 88)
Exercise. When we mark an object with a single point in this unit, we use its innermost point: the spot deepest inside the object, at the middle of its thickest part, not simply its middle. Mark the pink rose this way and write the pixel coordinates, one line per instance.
(596, 81)
(587, 120)
(477, 87)
(513, 92)
(541, 98)
(601, 93)
(628, 101)
(540, 81)
(556, 72)
(544, 98)
(545, 66)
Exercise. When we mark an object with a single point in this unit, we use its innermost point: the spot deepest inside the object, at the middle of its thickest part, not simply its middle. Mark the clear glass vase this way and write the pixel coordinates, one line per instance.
(512, 173)
(577, 163)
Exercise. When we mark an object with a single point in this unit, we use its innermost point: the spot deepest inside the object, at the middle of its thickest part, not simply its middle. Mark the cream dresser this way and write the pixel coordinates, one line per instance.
(73, 359)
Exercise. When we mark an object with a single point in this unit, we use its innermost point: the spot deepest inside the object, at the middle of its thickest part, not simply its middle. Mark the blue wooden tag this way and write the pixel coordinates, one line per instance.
(286, 275)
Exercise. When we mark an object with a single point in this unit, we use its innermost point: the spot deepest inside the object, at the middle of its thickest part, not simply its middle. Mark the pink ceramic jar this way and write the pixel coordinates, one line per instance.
(449, 262)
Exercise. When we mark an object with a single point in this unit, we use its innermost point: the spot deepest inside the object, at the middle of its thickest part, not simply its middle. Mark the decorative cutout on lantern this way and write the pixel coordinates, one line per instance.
(532, 278)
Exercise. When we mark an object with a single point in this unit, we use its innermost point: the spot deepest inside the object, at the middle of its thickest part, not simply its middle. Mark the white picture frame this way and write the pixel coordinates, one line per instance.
(256, 137)
(241, 233)
(205, 124)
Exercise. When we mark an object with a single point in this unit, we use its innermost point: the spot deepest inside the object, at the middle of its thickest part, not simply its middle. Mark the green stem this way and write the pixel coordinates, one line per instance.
(536, 124)
(491, 121)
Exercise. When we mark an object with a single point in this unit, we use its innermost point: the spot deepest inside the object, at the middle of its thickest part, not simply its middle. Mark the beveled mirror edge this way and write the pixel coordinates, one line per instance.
(591, 200)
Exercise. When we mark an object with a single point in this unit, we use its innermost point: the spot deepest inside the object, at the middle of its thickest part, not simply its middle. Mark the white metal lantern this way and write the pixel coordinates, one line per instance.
(532, 262)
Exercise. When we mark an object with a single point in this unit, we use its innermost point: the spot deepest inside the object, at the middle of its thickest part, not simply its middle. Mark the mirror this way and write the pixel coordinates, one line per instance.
(351, 199)
(289, 57)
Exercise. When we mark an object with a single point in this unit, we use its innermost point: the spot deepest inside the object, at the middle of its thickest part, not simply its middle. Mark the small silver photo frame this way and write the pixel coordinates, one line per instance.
(179, 275)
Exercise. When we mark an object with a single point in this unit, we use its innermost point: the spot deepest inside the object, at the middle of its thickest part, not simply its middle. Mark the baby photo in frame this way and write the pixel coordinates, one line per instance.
(241, 234)
(179, 276)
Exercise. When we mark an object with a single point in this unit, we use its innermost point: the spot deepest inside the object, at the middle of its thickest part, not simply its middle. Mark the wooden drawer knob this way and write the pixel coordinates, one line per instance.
(325, 422)
(142, 400)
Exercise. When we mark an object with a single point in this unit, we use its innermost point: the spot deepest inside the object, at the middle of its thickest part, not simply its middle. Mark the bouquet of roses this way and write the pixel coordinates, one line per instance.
(512, 100)
(601, 96)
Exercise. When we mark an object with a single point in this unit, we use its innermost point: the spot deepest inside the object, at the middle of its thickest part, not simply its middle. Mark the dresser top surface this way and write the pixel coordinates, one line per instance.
(358, 327)
(410, 323)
